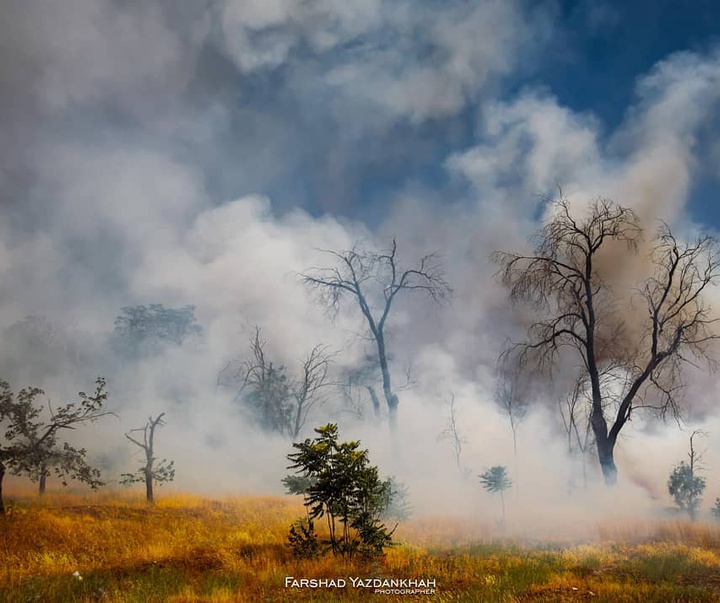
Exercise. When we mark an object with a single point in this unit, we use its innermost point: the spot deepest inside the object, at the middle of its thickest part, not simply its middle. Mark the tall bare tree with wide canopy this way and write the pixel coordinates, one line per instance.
(373, 281)
(669, 322)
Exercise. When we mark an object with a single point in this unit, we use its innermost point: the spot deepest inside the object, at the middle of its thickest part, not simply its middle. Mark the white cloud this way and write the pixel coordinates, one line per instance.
(676, 99)
(530, 144)
(239, 265)
(413, 61)
(85, 52)
(260, 35)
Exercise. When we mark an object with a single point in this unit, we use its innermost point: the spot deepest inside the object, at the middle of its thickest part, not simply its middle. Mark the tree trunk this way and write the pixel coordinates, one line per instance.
(150, 457)
(2, 477)
(605, 450)
(392, 409)
(390, 397)
(298, 419)
(43, 480)
(375, 401)
(149, 496)
(605, 442)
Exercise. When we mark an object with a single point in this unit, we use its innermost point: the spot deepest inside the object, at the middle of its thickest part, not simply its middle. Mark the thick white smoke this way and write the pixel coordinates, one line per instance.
(207, 156)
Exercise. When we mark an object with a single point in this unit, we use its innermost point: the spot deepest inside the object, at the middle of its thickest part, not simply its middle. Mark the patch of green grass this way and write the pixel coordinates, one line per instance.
(139, 585)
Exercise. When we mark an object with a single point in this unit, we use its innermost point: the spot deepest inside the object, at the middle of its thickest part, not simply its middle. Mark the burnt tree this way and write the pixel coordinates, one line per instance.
(566, 279)
(279, 402)
(511, 396)
(452, 434)
(373, 282)
(310, 388)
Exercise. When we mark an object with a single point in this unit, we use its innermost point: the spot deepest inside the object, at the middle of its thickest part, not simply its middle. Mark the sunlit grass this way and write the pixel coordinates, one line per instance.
(189, 548)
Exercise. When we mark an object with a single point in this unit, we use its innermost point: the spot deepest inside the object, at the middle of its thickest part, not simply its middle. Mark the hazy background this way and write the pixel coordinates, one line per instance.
(201, 152)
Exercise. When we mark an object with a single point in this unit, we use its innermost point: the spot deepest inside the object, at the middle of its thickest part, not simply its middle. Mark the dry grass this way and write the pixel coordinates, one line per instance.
(193, 549)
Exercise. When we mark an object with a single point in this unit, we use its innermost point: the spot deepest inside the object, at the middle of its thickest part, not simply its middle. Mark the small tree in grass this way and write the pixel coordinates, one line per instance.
(496, 479)
(32, 436)
(686, 488)
(150, 472)
(684, 485)
(395, 503)
(716, 509)
(339, 484)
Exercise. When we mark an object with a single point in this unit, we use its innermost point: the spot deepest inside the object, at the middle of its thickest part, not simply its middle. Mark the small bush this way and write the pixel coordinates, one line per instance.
(396, 505)
(339, 483)
(716, 509)
(686, 488)
(303, 539)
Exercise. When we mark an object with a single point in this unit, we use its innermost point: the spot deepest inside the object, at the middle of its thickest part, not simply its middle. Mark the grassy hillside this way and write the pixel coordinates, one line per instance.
(186, 548)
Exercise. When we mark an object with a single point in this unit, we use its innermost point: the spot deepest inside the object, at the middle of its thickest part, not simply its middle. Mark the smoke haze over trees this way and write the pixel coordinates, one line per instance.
(176, 165)
(628, 367)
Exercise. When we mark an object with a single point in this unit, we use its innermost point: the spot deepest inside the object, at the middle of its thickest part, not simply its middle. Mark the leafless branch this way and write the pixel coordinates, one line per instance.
(451, 433)
(564, 282)
(314, 382)
(374, 280)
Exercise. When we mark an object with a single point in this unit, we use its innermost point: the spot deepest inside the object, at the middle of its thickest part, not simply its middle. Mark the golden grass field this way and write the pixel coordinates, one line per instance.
(110, 547)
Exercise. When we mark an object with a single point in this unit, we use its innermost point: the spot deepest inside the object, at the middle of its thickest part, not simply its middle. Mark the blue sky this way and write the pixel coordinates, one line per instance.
(603, 47)
(606, 46)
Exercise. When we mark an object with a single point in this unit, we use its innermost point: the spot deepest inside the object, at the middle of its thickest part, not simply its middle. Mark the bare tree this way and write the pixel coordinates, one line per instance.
(309, 389)
(280, 402)
(375, 400)
(359, 380)
(451, 433)
(563, 279)
(573, 409)
(270, 391)
(262, 386)
(511, 397)
(373, 281)
(695, 456)
(149, 472)
(237, 373)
